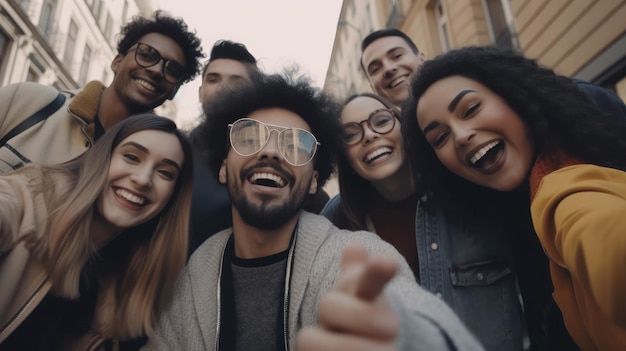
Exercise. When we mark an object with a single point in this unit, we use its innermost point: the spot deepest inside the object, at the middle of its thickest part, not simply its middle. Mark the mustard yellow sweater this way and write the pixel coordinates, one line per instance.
(579, 214)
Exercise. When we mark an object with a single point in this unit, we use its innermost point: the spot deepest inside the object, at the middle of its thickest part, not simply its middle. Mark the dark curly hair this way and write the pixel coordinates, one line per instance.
(175, 28)
(559, 115)
(286, 90)
(354, 189)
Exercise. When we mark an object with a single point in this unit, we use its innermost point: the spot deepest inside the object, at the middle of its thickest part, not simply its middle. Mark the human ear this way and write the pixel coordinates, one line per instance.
(313, 185)
(115, 64)
(222, 173)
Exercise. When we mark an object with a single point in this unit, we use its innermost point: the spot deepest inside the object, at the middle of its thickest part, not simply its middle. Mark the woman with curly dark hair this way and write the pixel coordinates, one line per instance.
(491, 130)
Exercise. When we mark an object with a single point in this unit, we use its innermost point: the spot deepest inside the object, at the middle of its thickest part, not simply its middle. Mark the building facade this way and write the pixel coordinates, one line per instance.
(64, 43)
(583, 39)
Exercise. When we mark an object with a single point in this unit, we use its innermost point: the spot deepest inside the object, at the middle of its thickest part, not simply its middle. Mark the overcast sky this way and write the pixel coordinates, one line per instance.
(277, 32)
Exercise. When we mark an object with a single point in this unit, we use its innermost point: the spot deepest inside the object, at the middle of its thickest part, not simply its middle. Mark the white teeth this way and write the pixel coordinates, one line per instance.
(273, 177)
(130, 197)
(397, 81)
(369, 157)
(146, 85)
(483, 151)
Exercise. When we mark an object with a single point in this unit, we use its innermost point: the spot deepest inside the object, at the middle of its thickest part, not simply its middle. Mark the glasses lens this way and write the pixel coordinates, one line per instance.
(173, 71)
(351, 133)
(248, 136)
(297, 146)
(146, 55)
(382, 121)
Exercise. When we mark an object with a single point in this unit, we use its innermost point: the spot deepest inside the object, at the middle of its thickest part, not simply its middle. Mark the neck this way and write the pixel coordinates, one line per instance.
(252, 242)
(111, 109)
(397, 187)
(102, 232)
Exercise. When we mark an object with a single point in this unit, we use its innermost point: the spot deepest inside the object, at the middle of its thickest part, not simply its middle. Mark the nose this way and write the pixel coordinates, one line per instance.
(389, 68)
(270, 149)
(142, 178)
(369, 134)
(157, 68)
(463, 134)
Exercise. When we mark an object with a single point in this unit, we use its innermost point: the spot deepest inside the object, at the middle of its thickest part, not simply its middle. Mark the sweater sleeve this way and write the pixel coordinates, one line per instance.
(20, 211)
(579, 214)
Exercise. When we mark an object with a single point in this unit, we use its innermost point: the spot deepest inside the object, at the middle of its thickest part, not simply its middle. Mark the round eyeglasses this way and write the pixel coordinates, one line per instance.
(249, 136)
(147, 56)
(380, 121)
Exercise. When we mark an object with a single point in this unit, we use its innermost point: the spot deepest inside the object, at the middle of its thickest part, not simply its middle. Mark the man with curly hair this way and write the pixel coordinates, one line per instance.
(281, 276)
(156, 55)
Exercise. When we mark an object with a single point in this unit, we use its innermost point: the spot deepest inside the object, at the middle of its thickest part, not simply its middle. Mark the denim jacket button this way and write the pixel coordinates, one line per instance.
(438, 294)
(434, 246)
(480, 276)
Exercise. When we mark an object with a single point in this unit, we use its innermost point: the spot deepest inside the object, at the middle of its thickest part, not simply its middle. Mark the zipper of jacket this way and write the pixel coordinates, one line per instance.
(219, 303)
(23, 309)
(286, 295)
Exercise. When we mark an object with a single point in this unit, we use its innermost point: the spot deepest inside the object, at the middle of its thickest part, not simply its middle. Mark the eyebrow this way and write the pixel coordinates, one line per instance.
(430, 127)
(457, 98)
(145, 150)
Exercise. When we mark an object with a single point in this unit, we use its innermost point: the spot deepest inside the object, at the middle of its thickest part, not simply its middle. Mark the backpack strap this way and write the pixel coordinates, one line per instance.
(35, 118)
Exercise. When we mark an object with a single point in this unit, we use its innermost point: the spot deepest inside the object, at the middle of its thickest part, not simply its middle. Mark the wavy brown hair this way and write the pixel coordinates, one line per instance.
(137, 270)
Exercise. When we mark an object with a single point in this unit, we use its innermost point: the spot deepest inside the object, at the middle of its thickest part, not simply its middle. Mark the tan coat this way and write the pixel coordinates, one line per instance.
(65, 134)
(23, 278)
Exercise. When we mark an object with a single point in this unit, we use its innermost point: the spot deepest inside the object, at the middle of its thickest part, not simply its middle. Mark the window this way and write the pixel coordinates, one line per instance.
(125, 11)
(4, 49)
(33, 75)
(47, 17)
(500, 23)
(84, 66)
(442, 23)
(70, 44)
(108, 28)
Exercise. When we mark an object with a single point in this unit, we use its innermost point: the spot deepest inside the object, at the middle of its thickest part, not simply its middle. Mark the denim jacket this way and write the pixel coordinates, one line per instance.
(472, 272)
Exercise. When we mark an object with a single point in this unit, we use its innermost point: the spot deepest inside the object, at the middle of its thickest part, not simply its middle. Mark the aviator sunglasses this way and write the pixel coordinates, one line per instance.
(249, 136)
(147, 56)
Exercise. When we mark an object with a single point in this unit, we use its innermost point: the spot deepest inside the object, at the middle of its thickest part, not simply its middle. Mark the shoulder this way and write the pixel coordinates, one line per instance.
(606, 100)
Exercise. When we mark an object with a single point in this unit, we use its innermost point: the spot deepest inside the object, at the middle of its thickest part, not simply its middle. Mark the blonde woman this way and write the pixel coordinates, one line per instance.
(90, 249)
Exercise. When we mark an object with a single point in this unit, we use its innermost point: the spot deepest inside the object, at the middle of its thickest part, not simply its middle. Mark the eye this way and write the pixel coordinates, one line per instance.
(131, 157)
(397, 56)
(471, 110)
(167, 174)
(374, 69)
(440, 139)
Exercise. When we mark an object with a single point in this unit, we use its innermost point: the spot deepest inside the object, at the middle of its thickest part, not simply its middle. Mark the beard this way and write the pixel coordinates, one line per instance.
(267, 216)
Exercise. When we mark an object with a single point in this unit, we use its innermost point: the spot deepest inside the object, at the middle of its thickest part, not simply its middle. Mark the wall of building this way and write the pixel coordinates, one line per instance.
(583, 38)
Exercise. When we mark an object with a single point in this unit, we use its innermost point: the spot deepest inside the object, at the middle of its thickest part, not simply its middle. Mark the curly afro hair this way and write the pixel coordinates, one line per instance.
(175, 28)
(559, 115)
(286, 90)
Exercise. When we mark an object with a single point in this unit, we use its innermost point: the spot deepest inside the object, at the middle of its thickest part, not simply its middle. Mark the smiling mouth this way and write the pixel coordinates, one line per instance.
(394, 83)
(130, 197)
(146, 84)
(486, 156)
(376, 154)
(267, 179)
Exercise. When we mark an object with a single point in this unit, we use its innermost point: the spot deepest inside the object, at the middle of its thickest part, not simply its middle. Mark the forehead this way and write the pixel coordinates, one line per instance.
(280, 117)
(166, 46)
(379, 48)
(159, 143)
(227, 67)
(437, 98)
(360, 108)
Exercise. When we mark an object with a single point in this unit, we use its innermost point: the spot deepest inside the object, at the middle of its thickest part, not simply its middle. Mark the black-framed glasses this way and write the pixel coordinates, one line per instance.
(147, 56)
(380, 121)
(249, 136)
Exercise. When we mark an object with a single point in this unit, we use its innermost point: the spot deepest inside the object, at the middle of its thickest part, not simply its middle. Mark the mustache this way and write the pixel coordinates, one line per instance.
(275, 166)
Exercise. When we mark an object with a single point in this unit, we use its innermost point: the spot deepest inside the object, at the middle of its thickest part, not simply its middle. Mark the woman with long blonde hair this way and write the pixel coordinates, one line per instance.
(90, 249)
